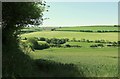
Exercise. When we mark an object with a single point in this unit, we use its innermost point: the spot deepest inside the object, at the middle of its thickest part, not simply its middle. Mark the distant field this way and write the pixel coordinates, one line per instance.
(93, 61)
(30, 29)
(71, 35)
(93, 28)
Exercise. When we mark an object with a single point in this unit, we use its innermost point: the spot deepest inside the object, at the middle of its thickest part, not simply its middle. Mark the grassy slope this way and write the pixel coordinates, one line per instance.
(95, 61)
(71, 35)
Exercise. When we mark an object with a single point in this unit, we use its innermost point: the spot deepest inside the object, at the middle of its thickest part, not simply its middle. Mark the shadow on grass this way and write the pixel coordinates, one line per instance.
(57, 69)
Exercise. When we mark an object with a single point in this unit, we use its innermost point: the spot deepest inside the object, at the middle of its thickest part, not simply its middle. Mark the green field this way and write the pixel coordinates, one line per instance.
(83, 44)
(90, 61)
(71, 35)
(93, 61)
(93, 28)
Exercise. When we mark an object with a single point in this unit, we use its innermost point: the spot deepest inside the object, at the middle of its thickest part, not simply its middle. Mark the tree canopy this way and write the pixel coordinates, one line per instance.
(16, 15)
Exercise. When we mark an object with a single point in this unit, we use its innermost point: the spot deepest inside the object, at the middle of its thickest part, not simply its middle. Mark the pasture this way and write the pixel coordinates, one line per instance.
(93, 28)
(93, 62)
(71, 35)
(89, 61)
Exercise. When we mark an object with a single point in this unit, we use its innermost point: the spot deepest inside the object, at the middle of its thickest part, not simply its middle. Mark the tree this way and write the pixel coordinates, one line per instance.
(16, 15)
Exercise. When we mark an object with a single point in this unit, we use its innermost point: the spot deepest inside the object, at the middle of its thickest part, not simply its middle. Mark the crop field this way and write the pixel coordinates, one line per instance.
(100, 62)
(93, 28)
(71, 35)
(92, 59)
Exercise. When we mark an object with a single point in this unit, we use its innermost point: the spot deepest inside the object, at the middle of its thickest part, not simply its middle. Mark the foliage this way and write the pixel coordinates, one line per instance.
(67, 45)
(41, 39)
(55, 45)
(16, 15)
(30, 29)
(33, 43)
(56, 41)
(26, 47)
(57, 69)
(53, 29)
(97, 45)
(43, 45)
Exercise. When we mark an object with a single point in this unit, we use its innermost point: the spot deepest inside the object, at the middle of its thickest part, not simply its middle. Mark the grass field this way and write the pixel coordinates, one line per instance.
(71, 35)
(93, 28)
(90, 61)
(83, 44)
(93, 61)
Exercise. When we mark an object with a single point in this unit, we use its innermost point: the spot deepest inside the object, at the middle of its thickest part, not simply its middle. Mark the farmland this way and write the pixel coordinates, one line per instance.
(95, 62)
(94, 28)
(71, 35)
(94, 54)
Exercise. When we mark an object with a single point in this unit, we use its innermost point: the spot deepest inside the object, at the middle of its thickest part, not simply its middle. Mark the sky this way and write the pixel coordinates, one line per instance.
(81, 13)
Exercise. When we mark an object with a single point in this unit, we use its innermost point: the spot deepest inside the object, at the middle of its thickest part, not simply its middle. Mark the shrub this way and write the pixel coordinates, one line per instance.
(99, 31)
(66, 39)
(55, 45)
(53, 29)
(97, 45)
(26, 48)
(100, 45)
(118, 42)
(56, 41)
(74, 40)
(83, 40)
(41, 39)
(97, 41)
(43, 45)
(75, 46)
(67, 45)
(109, 45)
(25, 38)
(93, 45)
(33, 42)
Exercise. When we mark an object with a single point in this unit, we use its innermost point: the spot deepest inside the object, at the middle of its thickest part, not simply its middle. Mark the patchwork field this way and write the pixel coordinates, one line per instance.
(97, 61)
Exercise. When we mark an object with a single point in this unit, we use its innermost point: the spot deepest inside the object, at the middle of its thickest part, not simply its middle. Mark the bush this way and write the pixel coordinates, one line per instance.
(67, 45)
(56, 41)
(93, 45)
(109, 45)
(53, 29)
(97, 41)
(33, 42)
(100, 45)
(66, 39)
(76, 46)
(55, 45)
(41, 39)
(43, 45)
(97, 45)
(99, 31)
(118, 42)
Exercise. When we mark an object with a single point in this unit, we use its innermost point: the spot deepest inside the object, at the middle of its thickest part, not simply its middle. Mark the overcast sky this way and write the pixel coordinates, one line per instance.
(81, 13)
